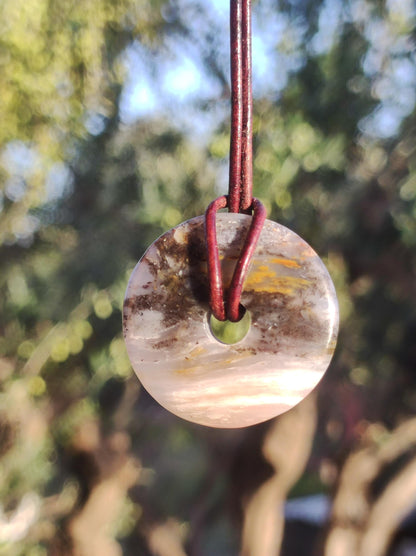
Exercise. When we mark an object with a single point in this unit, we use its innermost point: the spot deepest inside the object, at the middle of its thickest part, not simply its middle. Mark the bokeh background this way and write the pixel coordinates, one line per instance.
(114, 127)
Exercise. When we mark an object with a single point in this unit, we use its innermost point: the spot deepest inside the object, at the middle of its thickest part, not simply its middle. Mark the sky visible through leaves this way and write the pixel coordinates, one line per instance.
(181, 80)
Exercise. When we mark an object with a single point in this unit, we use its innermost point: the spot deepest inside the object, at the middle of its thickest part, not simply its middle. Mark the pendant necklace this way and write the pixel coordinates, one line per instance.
(231, 319)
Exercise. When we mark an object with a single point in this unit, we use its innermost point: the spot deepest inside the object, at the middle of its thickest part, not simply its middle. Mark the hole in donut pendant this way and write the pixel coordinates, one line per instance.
(228, 332)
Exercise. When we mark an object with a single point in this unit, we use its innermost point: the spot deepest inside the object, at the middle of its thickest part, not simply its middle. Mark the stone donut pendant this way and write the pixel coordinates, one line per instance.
(288, 294)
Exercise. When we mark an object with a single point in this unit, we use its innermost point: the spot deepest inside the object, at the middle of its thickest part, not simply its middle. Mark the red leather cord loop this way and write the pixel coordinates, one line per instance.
(218, 307)
(243, 263)
(216, 291)
(240, 197)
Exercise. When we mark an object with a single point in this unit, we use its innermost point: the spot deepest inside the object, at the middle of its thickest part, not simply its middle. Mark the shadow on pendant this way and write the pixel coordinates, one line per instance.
(197, 260)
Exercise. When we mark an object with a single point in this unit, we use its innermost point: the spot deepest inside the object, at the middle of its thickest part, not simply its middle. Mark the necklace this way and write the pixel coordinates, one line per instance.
(241, 358)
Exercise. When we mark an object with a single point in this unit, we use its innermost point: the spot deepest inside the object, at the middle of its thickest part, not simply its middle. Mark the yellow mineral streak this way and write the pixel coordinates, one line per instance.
(196, 352)
(193, 354)
(242, 355)
(224, 362)
(263, 278)
(260, 274)
(188, 370)
(288, 263)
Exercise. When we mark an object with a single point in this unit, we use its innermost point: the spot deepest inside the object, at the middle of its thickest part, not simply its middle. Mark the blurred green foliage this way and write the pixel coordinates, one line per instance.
(81, 201)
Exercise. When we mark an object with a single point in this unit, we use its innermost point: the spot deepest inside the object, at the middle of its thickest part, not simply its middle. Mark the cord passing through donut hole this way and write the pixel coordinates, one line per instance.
(229, 332)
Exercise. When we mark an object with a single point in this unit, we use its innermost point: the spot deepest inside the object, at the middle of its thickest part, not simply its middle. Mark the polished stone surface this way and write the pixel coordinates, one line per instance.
(294, 324)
